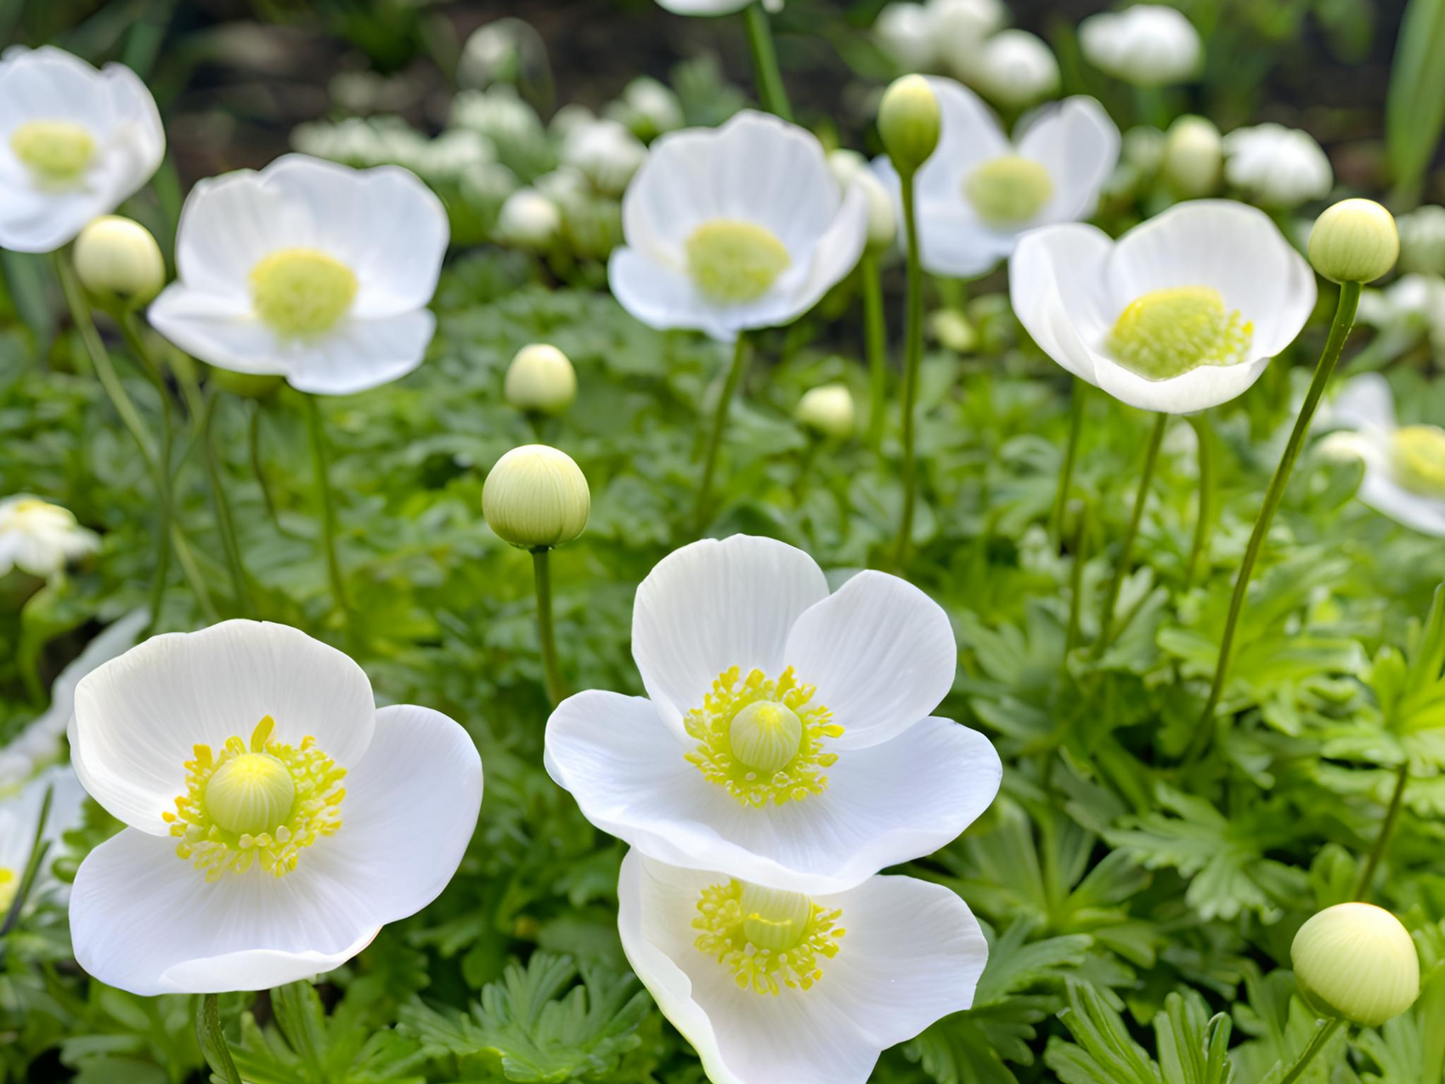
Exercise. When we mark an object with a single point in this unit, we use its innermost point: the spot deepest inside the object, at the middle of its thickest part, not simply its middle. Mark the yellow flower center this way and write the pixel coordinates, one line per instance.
(733, 262)
(1008, 191)
(57, 152)
(301, 292)
(768, 938)
(9, 883)
(762, 739)
(256, 804)
(1166, 333)
(1419, 456)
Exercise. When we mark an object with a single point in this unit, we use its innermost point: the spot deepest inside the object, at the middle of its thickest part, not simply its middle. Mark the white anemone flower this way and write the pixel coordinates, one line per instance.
(980, 192)
(74, 143)
(1147, 45)
(1278, 167)
(606, 152)
(772, 986)
(786, 737)
(962, 27)
(733, 228)
(277, 819)
(1404, 465)
(20, 809)
(309, 270)
(1015, 69)
(39, 537)
(1181, 313)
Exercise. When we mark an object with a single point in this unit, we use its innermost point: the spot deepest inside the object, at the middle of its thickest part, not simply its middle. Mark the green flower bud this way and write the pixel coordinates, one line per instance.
(1354, 241)
(540, 380)
(1357, 961)
(909, 122)
(951, 328)
(536, 497)
(828, 411)
(1193, 157)
(245, 385)
(119, 262)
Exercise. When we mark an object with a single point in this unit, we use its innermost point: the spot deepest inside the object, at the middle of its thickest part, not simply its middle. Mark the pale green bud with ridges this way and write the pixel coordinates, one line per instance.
(909, 123)
(1193, 157)
(1356, 960)
(536, 497)
(119, 262)
(1354, 241)
(541, 380)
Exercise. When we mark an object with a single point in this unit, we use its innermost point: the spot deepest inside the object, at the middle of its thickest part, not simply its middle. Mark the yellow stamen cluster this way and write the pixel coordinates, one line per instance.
(256, 804)
(769, 938)
(1418, 452)
(300, 292)
(762, 739)
(57, 152)
(1166, 333)
(732, 262)
(1008, 191)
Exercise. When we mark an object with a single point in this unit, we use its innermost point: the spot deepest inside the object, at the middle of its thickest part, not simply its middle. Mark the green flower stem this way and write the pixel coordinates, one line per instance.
(187, 560)
(1205, 516)
(320, 462)
(1387, 829)
(225, 525)
(130, 328)
(1317, 1042)
(542, 577)
(1080, 558)
(876, 340)
(1339, 331)
(1071, 450)
(765, 62)
(213, 1040)
(912, 359)
(1126, 550)
(719, 423)
(253, 444)
(38, 848)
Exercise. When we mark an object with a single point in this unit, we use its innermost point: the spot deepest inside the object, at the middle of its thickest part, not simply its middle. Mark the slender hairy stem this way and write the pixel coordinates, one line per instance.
(876, 340)
(542, 577)
(213, 1040)
(1076, 579)
(130, 328)
(1126, 550)
(225, 525)
(765, 63)
(1318, 1041)
(321, 465)
(38, 848)
(714, 440)
(1071, 451)
(1339, 331)
(1204, 432)
(1387, 829)
(912, 358)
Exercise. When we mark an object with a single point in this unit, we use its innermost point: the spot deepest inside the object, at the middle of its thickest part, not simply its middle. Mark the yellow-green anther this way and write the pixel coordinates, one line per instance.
(300, 292)
(732, 262)
(1008, 191)
(57, 152)
(1166, 333)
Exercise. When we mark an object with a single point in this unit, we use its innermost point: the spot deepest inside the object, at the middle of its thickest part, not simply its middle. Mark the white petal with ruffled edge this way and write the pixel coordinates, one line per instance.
(913, 953)
(138, 717)
(1079, 146)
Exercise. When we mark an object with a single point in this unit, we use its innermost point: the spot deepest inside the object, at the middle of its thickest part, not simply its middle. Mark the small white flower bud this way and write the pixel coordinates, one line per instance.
(528, 219)
(951, 328)
(882, 222)
(119, 262)
(1357, 961)
(1193, 157)
(909, 122)
(1015, 68)
(1354, 241)
(828, 411)
(536, 497)
(541, 380)
(906, 32)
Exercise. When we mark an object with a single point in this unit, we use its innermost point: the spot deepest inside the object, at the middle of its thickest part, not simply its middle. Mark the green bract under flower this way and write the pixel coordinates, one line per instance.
(1418, 452)
(1008, 191)
(762, 739)
(1166, 333)
(301, 292)
(57, 152)
(732, 262)
(768, 938)
(256, 804)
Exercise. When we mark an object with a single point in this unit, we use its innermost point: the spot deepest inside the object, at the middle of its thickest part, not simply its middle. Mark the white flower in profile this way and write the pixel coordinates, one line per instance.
(277, 819)
(908, 33)
(735, 228)
(771, 986)
(713, 7)
(1147, 45)
(980, 192)
(20, 809)
(786, 737)
(1015, 69)
(39, 537)
(74, 143)
(309, 270)
(1276, 166)
(605, 152)
(1404, 465)
(1181, 313)
(528, 219)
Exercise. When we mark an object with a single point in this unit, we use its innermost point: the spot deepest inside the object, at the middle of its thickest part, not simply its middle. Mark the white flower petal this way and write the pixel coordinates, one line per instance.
(1380, 491)
(1198, 389)
(1364, 402)
(138, 717)
(1079, 145)
(713, 605)
(970, 136)
(1054, 286)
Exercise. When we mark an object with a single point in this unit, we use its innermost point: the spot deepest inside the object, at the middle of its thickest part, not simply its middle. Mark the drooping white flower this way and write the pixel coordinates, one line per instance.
(20, 809)
(1147, 45)
(1015, 68)
(773, 986)
(713, 7)
(979, 192)
(735, 228)
(786, 737)
(1181, 313)
(1404, 465)
(605, 152)
(39, 537)
(907, 32)
(1277, 166)
(308, 270)
(277, 819)
(74, 143)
